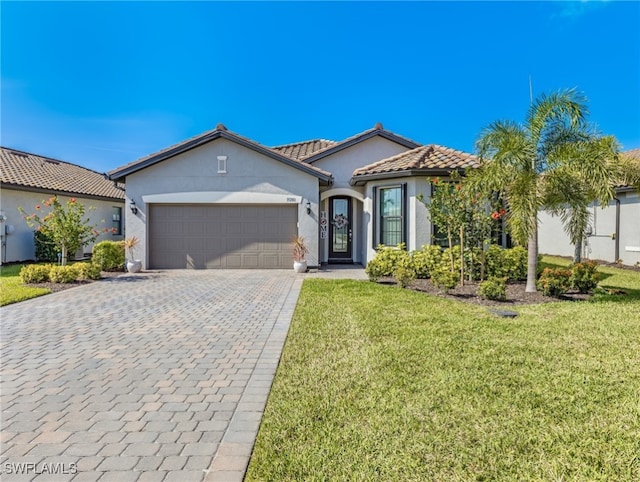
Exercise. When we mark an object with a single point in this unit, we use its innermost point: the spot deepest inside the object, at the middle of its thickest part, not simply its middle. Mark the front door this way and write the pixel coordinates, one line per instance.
(340, 230)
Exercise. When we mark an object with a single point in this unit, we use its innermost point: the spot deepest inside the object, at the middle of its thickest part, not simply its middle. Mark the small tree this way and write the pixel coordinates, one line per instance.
(65, 225)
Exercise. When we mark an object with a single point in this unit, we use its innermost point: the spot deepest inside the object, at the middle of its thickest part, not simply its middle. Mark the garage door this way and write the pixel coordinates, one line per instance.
(221, 236)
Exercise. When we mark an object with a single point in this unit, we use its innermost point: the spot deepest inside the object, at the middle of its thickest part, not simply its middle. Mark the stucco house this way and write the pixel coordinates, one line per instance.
(614, 231)
(27, 179)
(221, 200)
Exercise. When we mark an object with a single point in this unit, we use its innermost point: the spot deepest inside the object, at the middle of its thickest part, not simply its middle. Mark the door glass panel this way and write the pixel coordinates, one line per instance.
(341, 227)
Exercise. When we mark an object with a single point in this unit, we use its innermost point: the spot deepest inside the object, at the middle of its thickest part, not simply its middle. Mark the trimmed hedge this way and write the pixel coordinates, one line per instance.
(109, 255)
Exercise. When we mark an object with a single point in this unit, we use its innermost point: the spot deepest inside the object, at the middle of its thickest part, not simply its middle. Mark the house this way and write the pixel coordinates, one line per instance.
(221, 200)
(27, 179)
(613, 233)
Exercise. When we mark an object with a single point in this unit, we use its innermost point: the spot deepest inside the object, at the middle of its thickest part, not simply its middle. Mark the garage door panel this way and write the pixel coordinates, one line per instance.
(216, 236)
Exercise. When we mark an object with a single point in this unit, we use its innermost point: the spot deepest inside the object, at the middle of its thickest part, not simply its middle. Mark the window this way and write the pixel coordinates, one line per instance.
(116, 221)
(391, 215)
(222, 164)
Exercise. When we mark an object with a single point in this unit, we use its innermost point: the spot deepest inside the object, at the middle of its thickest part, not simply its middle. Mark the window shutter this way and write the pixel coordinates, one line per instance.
(374, 219)
(405, 214)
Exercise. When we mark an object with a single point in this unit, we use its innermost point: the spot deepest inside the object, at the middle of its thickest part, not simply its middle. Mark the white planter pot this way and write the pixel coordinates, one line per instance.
(300, 266)
(134, 266)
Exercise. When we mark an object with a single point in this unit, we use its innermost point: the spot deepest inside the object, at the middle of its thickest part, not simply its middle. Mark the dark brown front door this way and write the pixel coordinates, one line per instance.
(340, 230)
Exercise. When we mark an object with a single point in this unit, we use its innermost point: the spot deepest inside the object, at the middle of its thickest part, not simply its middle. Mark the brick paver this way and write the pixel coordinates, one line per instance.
(155, 376)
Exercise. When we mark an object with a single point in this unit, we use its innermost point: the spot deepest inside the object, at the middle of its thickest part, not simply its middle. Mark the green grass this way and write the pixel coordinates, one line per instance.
(379, 383)
(11, 288)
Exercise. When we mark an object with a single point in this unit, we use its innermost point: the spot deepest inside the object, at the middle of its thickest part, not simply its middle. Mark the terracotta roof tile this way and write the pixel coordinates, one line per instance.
(632, 154)
(23, 169)
(426, 157)
(301, 150)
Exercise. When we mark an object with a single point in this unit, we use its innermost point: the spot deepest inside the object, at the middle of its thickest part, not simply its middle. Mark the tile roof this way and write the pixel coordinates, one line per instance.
(633, 154)
(423, 158)
(33, 172)
(631, 177)
(301, 150)
(195, 141)
(377, 130)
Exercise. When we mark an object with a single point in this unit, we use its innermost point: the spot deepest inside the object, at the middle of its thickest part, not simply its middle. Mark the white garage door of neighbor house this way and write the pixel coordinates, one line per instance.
(221, 236)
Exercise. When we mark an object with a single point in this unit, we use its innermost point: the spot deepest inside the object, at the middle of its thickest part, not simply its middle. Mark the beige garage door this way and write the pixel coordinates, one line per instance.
(221, 236)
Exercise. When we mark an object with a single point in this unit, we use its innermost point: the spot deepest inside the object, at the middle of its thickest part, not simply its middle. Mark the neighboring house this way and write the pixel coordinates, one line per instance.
(613, 233)
(220, 200)
(27, 179)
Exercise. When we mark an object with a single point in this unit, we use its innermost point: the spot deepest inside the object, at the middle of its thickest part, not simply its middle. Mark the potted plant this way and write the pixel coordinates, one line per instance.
(299, 252)
(130, 244)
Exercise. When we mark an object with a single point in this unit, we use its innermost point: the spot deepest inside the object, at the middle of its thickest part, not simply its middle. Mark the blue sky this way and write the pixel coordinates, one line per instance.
(102, 84)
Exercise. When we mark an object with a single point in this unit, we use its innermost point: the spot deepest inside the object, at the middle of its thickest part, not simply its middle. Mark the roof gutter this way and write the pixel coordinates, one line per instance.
(362, 179)
(617, 235)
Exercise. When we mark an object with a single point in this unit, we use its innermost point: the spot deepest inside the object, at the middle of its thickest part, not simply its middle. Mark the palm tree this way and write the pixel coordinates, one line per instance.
(529, 164)
(570, 188)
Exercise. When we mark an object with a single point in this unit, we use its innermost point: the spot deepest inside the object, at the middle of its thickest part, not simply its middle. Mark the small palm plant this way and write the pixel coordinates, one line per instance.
(130, 244)
(299, 248)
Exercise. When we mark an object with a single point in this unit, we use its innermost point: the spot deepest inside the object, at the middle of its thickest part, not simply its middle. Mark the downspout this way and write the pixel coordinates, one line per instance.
(617, 234)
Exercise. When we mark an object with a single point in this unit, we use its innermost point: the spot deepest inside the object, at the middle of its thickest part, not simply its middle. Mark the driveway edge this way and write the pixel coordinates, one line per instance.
(232, 457)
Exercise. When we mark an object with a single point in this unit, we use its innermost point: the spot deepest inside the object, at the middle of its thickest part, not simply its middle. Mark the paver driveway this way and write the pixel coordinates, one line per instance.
(155, 376)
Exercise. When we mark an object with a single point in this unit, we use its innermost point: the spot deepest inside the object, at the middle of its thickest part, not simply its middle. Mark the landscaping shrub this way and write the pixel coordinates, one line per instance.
(446, 259)
(63, 274)
(554, 282)
(515, 262)
(35, 273)
(443, 278)
(45, 247)
(385, 261)
(506, 263)
(87, 271)
(425, 260)
(109, 255)
(493, 289)
(584, 276)
(404, 273)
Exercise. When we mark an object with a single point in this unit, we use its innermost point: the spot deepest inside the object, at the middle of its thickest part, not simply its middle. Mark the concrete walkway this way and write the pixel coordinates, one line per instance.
(153, 377)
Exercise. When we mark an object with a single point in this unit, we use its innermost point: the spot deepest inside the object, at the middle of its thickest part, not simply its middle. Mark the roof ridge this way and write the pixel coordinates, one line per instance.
(319, 139)
(373, 130)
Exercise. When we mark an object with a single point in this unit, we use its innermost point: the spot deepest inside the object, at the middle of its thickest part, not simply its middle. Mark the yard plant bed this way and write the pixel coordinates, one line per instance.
(381, 383)
(468, 293)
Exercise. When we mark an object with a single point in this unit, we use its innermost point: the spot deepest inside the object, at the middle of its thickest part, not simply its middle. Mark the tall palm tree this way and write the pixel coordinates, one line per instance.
(529, 164)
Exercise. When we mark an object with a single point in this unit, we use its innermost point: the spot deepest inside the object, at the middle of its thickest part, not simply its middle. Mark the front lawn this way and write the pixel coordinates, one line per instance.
(11, 288)
(380, 383)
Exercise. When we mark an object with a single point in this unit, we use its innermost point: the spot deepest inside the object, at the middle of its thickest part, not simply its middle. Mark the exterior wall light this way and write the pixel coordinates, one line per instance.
(134, 208)
(308, 206)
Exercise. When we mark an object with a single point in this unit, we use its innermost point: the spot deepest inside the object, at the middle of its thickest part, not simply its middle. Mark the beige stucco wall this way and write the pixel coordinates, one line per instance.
(251, 177)
(19, 245)
(601, 244)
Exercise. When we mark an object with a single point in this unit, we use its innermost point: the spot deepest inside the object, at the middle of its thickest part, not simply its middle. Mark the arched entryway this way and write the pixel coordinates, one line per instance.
(342, 220)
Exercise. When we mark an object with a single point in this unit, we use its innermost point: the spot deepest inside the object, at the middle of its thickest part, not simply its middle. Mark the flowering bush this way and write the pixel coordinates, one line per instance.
(65, 225)
(554, 282)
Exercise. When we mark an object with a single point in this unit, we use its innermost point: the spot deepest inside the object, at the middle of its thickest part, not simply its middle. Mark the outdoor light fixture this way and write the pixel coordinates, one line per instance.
(308, 206)
(134, 208)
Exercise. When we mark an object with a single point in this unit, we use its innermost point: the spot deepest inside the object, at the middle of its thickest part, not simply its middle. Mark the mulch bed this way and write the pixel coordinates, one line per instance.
(516, 294)
(55, 287)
